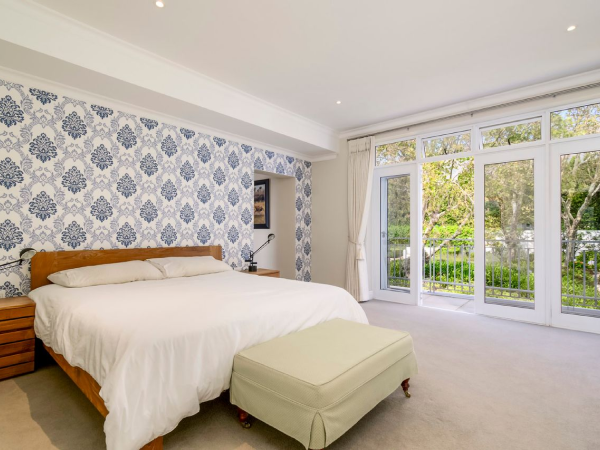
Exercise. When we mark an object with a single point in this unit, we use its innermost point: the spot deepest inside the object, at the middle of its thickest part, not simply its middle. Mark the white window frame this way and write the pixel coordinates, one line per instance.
(557, 317)
(539, 313)
(407, 296)
(552, 148)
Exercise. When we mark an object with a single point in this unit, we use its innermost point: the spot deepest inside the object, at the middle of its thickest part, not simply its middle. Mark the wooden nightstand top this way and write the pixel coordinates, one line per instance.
(264, 273)
(15, 302)
(15, 308)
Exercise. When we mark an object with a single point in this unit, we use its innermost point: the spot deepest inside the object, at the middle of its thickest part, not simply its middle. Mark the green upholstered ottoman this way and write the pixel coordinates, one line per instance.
(315, 384)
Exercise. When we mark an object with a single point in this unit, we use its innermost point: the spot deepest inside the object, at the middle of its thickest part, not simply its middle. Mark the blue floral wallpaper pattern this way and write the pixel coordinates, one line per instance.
(75, 175)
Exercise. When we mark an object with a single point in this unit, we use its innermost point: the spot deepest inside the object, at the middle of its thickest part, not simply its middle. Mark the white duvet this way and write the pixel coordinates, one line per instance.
(159, 348)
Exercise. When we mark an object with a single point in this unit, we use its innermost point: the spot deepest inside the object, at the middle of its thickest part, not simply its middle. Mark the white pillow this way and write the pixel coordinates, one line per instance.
(116, 273)
(188, 266)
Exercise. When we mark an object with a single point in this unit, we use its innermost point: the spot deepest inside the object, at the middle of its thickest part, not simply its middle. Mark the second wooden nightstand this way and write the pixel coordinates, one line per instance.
(17, 338)
(264, 273)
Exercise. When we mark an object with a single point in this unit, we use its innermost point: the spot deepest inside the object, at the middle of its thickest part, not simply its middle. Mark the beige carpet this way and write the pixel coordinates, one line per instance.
(483, 384)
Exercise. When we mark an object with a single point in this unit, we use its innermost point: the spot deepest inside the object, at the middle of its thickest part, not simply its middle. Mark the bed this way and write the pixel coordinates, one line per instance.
(147, 353)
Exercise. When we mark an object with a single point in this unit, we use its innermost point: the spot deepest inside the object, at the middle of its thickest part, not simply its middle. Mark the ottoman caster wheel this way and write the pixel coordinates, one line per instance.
(405, 387)
(244, 418)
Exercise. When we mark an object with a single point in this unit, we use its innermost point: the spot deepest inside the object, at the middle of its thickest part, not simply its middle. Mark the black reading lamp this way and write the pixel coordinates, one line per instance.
(25, 255)
(252, 267)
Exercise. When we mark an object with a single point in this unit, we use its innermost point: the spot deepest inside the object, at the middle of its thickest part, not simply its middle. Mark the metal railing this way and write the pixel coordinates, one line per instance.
(449, 269)
(398, 263)
(580, 277)
(509, 270)
(448, 266)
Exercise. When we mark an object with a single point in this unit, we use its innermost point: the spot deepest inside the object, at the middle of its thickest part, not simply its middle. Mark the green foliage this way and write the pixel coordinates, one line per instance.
(453, 230)
(447, 145)
(572, 122)
(448, 193)
(509, 201)
(574, 286)
(396, 152)
(512, 134)
(398, 231)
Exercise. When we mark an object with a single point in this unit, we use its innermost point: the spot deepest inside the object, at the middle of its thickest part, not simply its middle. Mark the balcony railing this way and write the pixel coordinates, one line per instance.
(580, 277)
(398, 262)
(509, 271)
(449, 268)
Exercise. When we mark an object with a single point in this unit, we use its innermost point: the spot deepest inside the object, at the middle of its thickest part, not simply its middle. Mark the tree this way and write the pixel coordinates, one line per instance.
(396, 152)
(448, 199)
(580, 188)
(579, 121)
(512, 134)
(509, 203)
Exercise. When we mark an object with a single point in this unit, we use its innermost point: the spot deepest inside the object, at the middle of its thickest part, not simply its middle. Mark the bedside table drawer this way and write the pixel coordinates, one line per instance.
(16, 324)
(20, 358)
(18, 369)
(15, 313)
(17, 347)
(14, 336)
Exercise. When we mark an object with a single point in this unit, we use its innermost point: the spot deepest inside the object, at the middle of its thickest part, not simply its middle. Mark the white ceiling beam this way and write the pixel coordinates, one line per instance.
(29, 25)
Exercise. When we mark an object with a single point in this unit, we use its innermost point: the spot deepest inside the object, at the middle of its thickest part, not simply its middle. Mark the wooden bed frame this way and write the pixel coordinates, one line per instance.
(46, 263)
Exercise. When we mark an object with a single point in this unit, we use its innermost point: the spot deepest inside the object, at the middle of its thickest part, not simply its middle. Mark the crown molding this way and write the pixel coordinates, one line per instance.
(324, 158)
(548, 87)
(35, 27)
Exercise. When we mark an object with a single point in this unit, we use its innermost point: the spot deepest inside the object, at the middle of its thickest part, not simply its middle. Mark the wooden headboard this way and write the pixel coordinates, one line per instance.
(46, 263)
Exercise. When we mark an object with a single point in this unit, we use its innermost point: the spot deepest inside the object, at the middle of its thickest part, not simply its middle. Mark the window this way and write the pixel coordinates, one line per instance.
(396, 152)
(447, 144)
(578, 121)
(511, 134)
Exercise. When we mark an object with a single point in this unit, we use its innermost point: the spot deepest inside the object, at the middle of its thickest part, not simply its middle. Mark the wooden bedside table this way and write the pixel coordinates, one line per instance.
(264, 273)
(17, 338)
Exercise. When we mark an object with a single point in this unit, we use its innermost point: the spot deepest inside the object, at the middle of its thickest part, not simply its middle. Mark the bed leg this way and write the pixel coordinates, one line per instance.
(244, 418)
(405, 387)
(156, 444)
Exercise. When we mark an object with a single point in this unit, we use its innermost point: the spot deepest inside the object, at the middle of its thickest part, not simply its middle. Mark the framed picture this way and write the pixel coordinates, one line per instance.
(261, 204)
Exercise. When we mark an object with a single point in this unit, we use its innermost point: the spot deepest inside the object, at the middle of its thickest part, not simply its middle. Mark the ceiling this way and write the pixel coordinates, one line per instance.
(383, 59)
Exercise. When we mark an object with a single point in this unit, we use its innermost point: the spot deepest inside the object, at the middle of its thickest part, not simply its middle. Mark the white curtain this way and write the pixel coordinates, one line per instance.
(361, 162)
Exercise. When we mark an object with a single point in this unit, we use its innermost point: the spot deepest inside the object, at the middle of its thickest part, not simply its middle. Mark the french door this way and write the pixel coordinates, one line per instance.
(575, 234)
(396, 276)
(510, 201)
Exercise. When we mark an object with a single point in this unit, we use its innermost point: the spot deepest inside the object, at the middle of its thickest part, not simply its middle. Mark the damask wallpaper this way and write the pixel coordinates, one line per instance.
(75, 175)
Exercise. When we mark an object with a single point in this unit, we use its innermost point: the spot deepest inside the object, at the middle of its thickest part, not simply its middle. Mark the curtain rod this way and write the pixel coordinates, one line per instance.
(487, 108)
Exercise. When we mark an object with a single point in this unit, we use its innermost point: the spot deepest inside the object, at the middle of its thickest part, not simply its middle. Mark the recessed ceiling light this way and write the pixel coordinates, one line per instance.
(571, 28)
(160, 4)
(339, 102)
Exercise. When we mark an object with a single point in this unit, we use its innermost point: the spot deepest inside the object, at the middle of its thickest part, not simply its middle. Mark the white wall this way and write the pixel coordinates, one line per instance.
(330, 219)
(280, 253)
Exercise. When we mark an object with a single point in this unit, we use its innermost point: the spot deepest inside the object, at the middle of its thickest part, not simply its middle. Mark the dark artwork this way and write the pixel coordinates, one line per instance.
(261, 204)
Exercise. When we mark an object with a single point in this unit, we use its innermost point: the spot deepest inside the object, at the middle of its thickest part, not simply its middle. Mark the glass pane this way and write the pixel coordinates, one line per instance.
(575, 121)
(396, 233)
(447, 145)
(509, 233)
(580, 226)
(511, 134)
(448, 227)
(396, 152)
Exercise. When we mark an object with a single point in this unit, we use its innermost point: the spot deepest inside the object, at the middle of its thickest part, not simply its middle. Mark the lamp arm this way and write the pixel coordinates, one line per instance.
(259, 249)
(15, 263)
